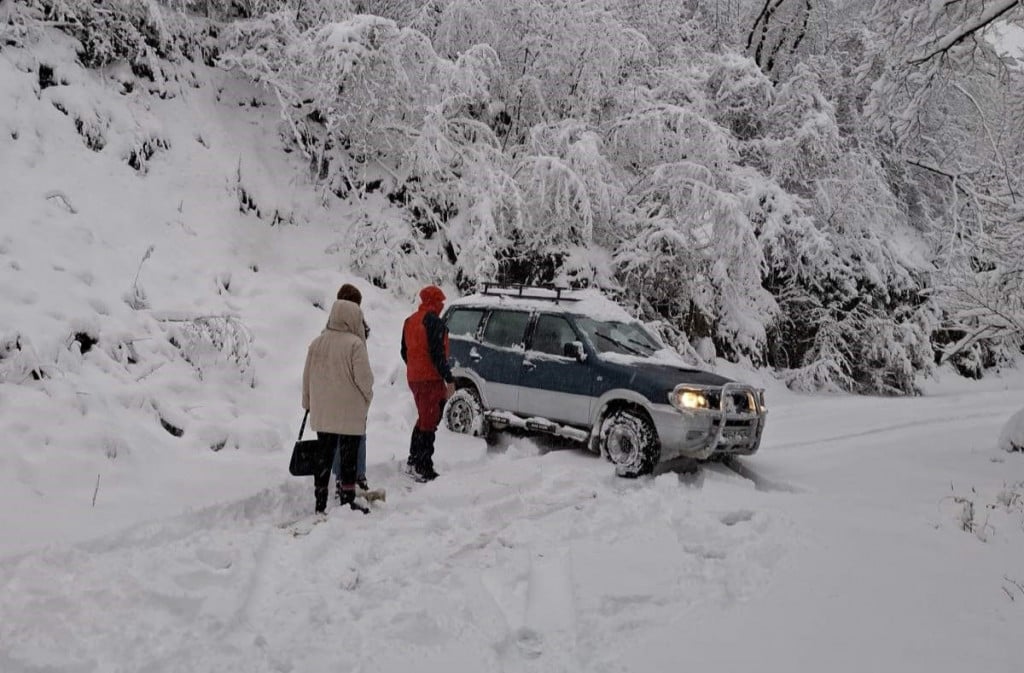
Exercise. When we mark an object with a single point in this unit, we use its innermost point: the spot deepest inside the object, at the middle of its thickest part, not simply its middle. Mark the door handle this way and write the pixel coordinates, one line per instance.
(474, 355)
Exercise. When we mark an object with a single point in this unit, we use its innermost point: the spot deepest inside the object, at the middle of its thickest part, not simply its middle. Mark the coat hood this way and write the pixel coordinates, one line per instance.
(346, 316)
(432, 299)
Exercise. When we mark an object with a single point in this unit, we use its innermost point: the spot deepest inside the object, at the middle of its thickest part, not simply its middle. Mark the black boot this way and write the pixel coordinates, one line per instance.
(426, 466)
(347, 497)
(321, 499)
(415, 447)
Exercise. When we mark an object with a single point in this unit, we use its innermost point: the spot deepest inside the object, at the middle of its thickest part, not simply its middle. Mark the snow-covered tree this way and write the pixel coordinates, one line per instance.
(828, 188)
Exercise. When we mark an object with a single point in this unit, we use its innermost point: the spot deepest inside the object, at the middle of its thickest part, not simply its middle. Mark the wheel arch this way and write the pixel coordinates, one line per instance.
(465, 378)
(616, 400)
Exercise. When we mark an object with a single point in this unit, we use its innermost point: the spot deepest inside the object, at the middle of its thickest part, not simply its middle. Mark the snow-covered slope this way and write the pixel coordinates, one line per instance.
(869, 533)
(111, 196)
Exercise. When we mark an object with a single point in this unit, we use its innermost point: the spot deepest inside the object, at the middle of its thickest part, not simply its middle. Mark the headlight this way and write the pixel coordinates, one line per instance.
(760, 395)
(688, 399)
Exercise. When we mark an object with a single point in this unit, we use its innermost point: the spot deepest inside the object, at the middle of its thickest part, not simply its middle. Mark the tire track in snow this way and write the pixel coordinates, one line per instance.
(890, 428)
(510, 564)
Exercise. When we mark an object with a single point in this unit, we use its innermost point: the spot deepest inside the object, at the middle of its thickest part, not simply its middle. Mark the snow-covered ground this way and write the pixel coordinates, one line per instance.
(868, 534)
(840, 547)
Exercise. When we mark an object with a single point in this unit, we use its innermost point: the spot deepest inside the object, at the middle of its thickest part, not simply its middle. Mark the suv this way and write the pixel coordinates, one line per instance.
(575, 364)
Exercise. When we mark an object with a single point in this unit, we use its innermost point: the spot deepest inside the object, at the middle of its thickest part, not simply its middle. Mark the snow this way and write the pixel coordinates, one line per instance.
(868, 533)
(1012, 436)
(1009, 39)
(662, 356)
(591, 303)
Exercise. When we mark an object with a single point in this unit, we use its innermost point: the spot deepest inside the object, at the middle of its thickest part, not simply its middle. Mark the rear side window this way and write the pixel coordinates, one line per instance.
(552, 334)
(506, 328)
(464, 322)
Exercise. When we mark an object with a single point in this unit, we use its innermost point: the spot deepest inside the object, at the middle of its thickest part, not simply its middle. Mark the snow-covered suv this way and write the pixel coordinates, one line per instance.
(576, 364)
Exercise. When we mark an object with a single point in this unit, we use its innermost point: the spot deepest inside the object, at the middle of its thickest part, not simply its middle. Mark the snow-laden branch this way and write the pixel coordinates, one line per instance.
(965, 30)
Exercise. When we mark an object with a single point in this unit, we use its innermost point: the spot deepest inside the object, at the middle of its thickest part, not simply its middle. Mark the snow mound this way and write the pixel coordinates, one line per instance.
(1012, 437)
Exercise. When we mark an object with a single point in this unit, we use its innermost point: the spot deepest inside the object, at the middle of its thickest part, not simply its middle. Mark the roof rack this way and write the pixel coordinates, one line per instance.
(496, 289)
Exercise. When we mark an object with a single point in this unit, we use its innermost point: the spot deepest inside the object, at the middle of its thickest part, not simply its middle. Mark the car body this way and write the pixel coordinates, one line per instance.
(576, 364)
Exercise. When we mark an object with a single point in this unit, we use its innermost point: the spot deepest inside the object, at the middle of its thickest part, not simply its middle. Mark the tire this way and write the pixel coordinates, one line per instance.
(464, 413)
(629, 441)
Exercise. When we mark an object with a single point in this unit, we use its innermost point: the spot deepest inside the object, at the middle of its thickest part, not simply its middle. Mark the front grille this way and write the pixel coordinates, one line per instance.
(741, 403)
(738, 434)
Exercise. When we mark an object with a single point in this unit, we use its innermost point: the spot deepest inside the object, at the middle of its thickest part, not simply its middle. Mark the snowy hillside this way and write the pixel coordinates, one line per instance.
(225, 302)
(165, 259)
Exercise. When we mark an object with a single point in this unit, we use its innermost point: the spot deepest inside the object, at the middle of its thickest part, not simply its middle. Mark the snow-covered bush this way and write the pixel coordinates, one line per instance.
(1012, 436)
(212, 342)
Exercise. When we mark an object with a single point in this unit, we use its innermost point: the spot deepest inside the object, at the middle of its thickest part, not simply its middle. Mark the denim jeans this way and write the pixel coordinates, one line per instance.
(360, 460)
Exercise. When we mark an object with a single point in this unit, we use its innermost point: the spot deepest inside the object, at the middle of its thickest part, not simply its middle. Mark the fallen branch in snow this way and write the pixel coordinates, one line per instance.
(1020, 587)
(136, 297)
(96, 490)
(61, 199)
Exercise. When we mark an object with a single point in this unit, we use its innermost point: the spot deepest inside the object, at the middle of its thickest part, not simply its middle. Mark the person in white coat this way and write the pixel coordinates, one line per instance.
(337, 388)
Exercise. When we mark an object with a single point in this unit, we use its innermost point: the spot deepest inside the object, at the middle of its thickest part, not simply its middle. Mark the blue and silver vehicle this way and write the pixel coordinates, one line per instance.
(575, 364)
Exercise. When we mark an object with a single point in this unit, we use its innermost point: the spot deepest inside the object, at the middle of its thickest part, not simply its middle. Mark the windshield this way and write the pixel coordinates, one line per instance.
(625, 338)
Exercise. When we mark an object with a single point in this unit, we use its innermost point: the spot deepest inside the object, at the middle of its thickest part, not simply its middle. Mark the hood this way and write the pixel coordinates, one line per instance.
(669, 376)
(346, 316)
(432, 299)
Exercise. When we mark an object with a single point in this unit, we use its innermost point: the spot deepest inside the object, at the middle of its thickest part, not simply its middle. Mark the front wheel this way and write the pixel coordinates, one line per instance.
(630, 442)
(464, 413)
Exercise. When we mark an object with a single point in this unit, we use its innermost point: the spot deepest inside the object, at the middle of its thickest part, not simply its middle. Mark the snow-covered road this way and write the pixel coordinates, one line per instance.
(838, 548)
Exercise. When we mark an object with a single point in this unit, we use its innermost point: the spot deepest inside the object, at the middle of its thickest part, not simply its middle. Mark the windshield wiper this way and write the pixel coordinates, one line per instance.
(646, 346)
(619, 344)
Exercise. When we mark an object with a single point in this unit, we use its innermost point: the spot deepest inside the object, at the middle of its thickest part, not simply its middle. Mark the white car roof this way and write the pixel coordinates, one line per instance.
(589, 303)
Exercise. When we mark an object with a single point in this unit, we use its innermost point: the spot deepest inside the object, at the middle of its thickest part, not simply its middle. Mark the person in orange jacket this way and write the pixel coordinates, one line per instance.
(425, 353)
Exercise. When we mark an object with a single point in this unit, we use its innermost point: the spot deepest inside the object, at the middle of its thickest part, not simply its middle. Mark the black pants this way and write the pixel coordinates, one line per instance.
(347, 446)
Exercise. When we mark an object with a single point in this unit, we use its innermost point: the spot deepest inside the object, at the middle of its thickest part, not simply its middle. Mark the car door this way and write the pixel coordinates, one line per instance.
(463, 325)
(554, 384)
(498, 358)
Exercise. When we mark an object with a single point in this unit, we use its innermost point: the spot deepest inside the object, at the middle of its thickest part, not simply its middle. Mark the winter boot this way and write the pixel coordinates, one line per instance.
(321, 499)
(348, 497)
(426, 464)
(415, 448)
(361, 483)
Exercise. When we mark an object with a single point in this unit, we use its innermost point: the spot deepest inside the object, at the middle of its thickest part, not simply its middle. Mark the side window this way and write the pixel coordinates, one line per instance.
(464, 322)
(551, 335)
(506, 328)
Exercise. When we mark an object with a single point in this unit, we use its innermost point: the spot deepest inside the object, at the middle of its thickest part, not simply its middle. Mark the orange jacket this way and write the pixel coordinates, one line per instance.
(425, 346)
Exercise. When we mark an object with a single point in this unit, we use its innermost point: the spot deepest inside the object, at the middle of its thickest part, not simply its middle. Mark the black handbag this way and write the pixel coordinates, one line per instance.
(309, 457)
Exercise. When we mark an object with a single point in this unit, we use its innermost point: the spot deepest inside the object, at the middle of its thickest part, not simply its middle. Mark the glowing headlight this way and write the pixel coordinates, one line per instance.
(688, 399)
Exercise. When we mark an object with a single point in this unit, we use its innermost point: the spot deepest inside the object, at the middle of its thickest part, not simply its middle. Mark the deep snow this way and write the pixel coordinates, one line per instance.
(868, 534)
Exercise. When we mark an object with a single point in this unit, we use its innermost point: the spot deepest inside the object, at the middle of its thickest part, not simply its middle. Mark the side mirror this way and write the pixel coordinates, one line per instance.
(574, 350)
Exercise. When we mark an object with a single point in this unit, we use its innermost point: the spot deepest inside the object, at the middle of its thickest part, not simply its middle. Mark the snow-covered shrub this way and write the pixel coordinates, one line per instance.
(391, 255)
(91, 120)
(1012, 436)
(12, 362)
(211, 343)
(740, 95)
(143, 148)
(116, 30)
